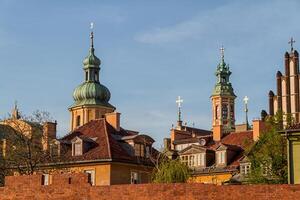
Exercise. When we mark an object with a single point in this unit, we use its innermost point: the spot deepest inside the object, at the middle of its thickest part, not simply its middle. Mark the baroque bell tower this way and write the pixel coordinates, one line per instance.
(91, 98)
(223, 98)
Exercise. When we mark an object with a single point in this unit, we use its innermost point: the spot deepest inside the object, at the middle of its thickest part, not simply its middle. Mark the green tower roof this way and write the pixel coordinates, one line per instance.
(91, 92)
(223, 86)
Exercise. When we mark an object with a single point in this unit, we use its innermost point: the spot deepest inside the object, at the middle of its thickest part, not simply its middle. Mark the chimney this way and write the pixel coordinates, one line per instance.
(49, 133)
(113, 119)
(259, 126)
(217, 133)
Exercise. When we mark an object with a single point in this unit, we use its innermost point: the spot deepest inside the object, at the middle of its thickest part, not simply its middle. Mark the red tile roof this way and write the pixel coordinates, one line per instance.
(106, 146)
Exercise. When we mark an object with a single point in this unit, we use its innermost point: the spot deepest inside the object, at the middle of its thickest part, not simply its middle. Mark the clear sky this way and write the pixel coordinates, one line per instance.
(151, 52)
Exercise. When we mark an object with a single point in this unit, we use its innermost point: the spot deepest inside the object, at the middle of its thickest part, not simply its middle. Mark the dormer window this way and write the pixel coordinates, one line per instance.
(77, 146)
(77, 149)
(245, 168)
(221, 157)
(54, 150)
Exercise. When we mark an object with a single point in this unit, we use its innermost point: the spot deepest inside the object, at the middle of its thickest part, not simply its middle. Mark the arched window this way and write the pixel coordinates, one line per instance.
(217, 112)
(223, 79)
(86, 76)
(78, 120)
(96, 76)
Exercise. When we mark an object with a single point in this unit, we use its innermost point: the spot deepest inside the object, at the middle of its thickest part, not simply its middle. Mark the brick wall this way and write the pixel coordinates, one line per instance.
(69, 187)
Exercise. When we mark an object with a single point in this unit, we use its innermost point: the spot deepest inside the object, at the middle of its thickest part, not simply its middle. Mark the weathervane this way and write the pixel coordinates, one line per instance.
(179, 101)
(291, 42)
(92, 34)
(246, 99)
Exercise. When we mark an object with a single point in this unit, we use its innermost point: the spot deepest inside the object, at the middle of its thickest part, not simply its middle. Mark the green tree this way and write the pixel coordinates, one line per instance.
(268, 155)
(171, 171)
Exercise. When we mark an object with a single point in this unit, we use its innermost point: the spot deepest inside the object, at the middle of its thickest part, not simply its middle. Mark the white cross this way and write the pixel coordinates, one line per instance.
(179, 101)
(246, 99)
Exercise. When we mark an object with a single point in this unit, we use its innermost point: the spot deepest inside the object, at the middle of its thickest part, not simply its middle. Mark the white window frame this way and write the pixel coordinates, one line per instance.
(76, 151)
(45, 179)
(91, 174)
(135, 177)
(221, 157)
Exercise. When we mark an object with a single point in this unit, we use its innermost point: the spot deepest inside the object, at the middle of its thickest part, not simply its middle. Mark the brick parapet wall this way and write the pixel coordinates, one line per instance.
(29, 187)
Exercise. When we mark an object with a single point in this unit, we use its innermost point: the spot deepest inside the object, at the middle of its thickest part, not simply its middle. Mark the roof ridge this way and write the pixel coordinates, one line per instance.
(107, 139)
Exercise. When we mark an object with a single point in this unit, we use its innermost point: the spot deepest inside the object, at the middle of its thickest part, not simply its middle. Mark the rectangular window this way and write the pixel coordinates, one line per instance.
(137, 149)
(91, 176)
(54, 150)
(45, 179)
(202, 159)
(221, 157)
(77, 149)
(147, 151)
(142, 150)
(135, 178)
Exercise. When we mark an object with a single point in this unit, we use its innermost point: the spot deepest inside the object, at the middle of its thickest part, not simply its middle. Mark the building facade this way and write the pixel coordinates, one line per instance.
(97, 144)
(223, 98)
(287, 96)
(217, 155)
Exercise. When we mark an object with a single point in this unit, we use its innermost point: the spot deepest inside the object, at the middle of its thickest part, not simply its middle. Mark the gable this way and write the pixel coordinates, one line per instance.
(193, 149)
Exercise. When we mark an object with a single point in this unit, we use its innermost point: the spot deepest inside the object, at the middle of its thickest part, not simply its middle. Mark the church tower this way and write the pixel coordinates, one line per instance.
(91, 97)
(223, 101)
(287, 97)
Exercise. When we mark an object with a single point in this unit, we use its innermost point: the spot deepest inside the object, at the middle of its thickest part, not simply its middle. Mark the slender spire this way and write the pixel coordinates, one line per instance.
(246, 99)
(222, 50)
(291, 42)
(179, 101)
(92, 35)
(15, 111)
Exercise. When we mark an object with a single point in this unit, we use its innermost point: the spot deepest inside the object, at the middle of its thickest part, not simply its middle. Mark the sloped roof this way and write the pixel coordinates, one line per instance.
(106, 145)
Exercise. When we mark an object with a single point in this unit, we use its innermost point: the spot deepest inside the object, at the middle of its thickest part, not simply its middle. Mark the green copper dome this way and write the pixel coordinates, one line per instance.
(91, 60)
(223, 86)
(91, 92)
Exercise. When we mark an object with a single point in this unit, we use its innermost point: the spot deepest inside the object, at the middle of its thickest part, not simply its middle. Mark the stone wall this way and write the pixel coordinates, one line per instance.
(76, 186)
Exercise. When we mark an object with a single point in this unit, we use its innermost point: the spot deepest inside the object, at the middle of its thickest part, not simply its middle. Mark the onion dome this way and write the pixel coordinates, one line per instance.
(91, 92)
(223, 85)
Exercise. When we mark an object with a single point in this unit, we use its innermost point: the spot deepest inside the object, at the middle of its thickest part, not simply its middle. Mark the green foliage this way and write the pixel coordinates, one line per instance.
(268, 155)
(171, 171)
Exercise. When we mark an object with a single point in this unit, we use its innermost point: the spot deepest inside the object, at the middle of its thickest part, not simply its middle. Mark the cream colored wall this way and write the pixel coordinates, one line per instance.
(87, 114)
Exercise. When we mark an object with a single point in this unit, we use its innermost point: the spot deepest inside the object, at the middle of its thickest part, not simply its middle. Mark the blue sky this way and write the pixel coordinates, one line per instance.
(151, 52)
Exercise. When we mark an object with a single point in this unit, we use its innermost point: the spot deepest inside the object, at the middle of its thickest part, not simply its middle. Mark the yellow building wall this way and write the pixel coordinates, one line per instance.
(109, 173)
(87, 114)
(217, 179)
(296, 161)
(102, 172)
(121, 173)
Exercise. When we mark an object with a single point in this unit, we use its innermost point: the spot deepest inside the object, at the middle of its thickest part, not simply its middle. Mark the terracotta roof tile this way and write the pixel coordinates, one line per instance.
(106, 146)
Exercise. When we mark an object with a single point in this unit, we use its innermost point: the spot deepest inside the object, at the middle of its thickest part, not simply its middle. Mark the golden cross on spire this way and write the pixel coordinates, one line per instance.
(92, 34)
(222, 49)
(291, 42)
